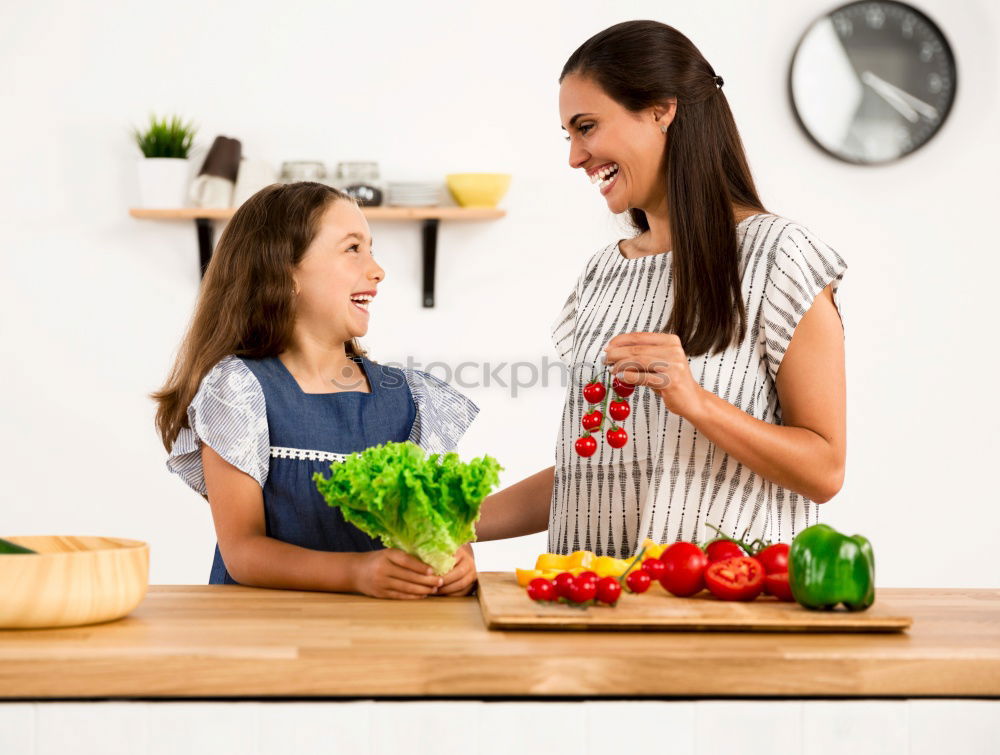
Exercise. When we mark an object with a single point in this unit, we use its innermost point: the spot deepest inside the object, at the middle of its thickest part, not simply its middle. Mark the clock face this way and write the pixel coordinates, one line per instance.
(871, 82)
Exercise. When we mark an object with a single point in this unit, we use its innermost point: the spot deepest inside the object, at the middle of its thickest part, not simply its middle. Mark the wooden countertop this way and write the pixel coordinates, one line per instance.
(241, 642)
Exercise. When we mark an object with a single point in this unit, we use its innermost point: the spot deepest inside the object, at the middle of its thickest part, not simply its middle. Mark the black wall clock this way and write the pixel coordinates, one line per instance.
(871, 82)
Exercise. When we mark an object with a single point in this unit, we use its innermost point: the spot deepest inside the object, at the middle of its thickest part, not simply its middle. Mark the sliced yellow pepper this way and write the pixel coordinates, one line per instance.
(524, 576)
(580, 558)
(552, 561)
(653, 550)
(608, 566)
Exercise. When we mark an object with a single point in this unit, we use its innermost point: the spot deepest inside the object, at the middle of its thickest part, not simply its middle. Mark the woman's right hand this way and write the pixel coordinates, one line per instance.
(391, 573)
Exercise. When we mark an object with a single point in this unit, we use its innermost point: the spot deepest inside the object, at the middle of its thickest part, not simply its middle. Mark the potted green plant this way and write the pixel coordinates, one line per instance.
(163, 168)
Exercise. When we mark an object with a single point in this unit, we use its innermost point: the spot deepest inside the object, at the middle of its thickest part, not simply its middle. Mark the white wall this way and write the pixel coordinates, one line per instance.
(93, 302)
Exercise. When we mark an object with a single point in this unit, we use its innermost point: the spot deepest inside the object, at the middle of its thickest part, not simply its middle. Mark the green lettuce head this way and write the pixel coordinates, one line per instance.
(424, 505)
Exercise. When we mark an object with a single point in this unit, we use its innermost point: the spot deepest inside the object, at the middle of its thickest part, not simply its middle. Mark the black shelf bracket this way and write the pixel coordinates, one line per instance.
(206, 242)
(430, 241)
(429, 234)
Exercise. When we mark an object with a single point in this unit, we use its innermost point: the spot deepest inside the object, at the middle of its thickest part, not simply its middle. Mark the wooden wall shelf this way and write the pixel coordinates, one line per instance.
(430, 216)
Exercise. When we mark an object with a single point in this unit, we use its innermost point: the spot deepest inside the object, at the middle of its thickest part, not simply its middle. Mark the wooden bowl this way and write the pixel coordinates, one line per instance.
(72, 580)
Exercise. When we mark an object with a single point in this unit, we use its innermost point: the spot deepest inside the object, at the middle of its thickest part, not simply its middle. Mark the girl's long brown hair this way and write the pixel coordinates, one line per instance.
(247, 305)
(640, 64)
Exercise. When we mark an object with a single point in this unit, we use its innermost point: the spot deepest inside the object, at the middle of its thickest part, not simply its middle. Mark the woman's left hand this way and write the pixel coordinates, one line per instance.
(460, 580)
(658, 361)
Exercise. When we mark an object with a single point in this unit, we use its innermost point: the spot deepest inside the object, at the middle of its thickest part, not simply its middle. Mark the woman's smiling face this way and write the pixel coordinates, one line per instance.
(622, 151)
(338, 277)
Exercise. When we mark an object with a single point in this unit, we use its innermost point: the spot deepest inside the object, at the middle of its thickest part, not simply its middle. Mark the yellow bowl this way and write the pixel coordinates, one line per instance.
(72, 580)
(478, 189)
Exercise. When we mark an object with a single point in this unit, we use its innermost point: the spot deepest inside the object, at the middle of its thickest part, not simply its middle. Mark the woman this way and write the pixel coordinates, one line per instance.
(723, 314)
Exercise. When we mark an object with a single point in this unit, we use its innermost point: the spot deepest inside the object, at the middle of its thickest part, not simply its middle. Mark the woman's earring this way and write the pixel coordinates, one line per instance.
(664, 129)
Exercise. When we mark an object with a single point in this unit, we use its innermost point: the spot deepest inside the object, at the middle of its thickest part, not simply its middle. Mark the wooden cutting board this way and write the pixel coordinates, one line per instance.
(505, 605)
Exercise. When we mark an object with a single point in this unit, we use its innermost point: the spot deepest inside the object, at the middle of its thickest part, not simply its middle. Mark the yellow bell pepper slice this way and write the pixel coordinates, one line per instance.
(552, 561)
(653, 550)
(608, 566)
(524, 576)
(580, 558)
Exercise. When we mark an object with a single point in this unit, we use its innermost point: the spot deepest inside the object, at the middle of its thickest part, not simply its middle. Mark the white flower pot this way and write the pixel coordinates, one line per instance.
(162, 182)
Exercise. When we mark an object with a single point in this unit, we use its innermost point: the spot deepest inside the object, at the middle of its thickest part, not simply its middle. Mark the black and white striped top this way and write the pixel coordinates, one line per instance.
(669, 480)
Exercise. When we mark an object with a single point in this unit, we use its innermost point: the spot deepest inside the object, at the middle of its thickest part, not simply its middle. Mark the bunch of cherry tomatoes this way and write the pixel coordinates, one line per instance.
(582, 589)
(729, 569)
(593, 421)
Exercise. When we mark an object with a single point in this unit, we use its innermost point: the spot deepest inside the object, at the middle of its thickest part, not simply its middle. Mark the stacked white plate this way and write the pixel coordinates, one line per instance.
(414, 193)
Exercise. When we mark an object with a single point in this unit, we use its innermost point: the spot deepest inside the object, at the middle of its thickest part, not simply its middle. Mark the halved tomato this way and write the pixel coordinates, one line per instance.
(735, 578)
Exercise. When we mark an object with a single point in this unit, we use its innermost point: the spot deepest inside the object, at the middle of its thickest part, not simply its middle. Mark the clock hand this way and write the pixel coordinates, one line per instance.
(887, 94)
(928, 111)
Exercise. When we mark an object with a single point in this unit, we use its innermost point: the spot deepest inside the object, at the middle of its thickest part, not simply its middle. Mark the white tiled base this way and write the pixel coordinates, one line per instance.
(701, 727)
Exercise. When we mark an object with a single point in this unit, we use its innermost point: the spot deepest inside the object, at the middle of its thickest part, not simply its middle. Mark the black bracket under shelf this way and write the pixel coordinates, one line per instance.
(429, 234)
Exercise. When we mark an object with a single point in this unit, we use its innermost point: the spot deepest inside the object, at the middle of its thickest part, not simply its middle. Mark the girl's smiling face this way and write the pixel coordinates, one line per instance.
(337, 277)
(623, 152)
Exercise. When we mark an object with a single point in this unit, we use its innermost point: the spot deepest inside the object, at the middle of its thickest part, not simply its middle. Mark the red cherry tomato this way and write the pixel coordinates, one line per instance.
(593, 420)
(609, 590)
(594, 392)
(638, 580)
(622, 388)
(541, 589)
(720, 550)
(774, 558)
(582, 590)
(619, 410)
(684, 569)
(592, 576)
(564, 580)
(617, 437)
(654, 567)
(586, 446)
(777, 585)
(735, 578)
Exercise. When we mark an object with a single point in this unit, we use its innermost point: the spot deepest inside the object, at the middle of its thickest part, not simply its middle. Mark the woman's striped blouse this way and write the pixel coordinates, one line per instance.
(669, 480)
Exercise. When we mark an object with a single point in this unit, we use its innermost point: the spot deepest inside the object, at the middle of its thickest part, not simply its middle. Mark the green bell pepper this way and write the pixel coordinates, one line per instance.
(6, 546)
(826, 568)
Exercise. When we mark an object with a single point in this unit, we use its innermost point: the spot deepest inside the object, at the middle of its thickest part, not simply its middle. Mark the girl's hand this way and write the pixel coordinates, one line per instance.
(460, 580)
(658, 361)
(391, 573)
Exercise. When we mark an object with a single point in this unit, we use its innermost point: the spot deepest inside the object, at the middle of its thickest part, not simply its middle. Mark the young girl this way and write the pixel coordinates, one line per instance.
(271, 386)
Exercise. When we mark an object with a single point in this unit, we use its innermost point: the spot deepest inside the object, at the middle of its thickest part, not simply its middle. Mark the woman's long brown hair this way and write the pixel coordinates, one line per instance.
(640, 64)
(246, 306)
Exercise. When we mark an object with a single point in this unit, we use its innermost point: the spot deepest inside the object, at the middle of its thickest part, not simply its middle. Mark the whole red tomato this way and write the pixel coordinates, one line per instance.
(777, 585)
(588, 575)
(638, 580)
(622, 388)
(684, 569)
(609, 590)
(586, 446)
(541, 589)
(774, 558)
(594, 392)
(582, 590)
(563, 580)
(593, 420)
(720, 550)
(617, 437)
(618, 410)
(654, 566)
(735, 578)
